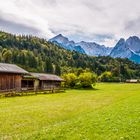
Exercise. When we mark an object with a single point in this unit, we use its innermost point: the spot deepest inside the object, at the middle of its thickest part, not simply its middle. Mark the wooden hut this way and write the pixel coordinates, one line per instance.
(42, 81)
(10, 77)
(14, 78)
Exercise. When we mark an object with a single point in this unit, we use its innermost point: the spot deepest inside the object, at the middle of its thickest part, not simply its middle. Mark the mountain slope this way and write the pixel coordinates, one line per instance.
(127, 49)
(89, 48)
(66, 44)
(94, 49)
(134, 44)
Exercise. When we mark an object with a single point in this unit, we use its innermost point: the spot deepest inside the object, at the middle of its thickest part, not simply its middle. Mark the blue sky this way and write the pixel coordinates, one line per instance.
(103, 21)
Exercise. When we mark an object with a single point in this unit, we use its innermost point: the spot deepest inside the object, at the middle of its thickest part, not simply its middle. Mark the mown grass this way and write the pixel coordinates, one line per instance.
(111, 112)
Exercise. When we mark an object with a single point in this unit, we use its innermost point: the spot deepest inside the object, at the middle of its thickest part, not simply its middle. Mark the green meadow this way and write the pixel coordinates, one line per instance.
(111, 112)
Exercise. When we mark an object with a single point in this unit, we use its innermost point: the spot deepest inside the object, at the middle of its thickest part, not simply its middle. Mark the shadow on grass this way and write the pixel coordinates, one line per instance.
(82, 89)
(11, 95)
(23, 94)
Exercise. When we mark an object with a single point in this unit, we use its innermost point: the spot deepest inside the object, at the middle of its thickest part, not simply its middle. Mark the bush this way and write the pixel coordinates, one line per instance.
(87, 80)
(70, 79)
(84, 80)
(105, 77)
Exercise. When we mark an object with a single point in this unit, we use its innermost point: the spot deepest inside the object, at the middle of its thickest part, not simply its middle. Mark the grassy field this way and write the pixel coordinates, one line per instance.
(111, 112)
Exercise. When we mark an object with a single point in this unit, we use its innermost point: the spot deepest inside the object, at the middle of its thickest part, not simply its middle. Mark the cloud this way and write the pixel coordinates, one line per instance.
(91, 20)
(17, 28)
(133, 26)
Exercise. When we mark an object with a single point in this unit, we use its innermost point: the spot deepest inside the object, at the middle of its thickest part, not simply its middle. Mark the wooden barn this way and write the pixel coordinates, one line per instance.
(14, 78)
(10, 77)
(41, 81)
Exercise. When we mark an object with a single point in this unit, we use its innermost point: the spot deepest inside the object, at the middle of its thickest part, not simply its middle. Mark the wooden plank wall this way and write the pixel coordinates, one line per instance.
(10, 82)
(18, 79)
(51, 84)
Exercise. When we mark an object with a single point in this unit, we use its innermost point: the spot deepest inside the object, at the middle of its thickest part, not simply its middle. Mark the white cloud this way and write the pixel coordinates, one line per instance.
(85, 18)
(108, 42)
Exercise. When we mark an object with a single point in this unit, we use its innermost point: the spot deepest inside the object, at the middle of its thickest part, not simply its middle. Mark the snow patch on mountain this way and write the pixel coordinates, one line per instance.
(94, 49)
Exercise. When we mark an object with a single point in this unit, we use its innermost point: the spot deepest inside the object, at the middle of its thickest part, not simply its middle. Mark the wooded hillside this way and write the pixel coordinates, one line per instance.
(37, 55)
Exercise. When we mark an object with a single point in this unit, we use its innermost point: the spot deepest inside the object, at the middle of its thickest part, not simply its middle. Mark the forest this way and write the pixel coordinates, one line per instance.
(38, 55)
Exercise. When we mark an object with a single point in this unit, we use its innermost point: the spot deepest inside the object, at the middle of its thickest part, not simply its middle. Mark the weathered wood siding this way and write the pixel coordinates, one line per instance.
(18, 82)
(10, 82)
(50, 85)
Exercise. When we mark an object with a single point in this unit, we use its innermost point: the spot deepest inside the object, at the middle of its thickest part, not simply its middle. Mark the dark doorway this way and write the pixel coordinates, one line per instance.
(27, 84)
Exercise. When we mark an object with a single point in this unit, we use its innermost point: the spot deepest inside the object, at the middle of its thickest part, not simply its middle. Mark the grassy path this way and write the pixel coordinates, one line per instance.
(112, 112)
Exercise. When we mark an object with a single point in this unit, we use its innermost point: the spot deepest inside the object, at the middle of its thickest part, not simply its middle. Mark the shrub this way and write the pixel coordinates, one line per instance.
(86, 80)
(106, 77)
(70, 79)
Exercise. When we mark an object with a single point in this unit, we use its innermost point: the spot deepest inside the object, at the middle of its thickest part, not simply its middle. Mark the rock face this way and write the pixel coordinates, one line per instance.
(129, 48)
(94, 49)
(89, 48)
(134, 44)
(66, 44)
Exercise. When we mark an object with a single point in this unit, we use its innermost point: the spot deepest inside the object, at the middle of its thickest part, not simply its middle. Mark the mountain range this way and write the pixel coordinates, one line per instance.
(129, 48)
(89, 48)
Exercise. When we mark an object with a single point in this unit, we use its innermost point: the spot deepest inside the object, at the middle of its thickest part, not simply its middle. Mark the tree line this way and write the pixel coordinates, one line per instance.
(38, 55)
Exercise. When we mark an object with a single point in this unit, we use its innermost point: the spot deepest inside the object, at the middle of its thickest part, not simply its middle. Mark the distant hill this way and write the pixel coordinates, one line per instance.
(38, 55)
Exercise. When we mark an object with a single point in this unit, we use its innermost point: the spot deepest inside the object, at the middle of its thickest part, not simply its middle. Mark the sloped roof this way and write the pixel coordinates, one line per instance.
(48, 77)
(11, 68)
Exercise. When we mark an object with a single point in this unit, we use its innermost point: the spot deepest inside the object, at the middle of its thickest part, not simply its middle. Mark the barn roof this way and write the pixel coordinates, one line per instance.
(11, 68)
(48, 77)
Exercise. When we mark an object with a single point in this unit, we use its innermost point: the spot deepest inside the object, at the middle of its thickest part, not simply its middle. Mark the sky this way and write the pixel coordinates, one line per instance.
(101, 21)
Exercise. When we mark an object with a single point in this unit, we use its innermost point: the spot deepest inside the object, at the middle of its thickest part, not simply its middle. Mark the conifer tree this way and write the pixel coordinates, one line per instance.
(48, 66)
(57, 69)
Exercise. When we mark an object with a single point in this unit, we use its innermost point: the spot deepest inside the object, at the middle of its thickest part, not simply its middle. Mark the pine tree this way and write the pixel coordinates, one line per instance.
(48, 66)
(57, 69)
